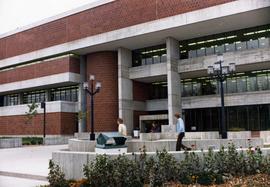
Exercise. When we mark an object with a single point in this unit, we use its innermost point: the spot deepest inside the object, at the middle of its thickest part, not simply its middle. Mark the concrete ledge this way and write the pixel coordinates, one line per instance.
(10, 142)
(135, 145)
(57, 140)
(72, 162)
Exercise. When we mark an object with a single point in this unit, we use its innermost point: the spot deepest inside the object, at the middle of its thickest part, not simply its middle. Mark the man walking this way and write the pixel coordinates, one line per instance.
(180, 129)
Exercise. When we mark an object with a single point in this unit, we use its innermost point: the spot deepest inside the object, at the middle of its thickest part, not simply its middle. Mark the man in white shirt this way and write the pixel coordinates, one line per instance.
(180, 129)
(122, 129)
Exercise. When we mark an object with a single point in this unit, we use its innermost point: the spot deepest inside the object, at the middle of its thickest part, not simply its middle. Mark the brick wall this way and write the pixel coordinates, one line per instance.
(104, 66)
(105, 18)
(56, 123)
(66, 64)
(141, 91)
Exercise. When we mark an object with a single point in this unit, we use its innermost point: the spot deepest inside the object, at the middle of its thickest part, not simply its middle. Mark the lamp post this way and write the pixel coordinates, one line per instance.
(220, 72)
(43, 105)
(92, 92)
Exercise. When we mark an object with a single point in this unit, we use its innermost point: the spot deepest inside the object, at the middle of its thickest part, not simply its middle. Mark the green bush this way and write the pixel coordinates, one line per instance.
(105, 172)
(32, 140)
(56, 176)
(210, 168)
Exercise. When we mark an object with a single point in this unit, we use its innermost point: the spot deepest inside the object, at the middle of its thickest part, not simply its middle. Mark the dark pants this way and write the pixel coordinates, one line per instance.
(179, 144)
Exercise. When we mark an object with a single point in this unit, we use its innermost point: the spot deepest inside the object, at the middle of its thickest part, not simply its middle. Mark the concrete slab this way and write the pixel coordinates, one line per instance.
(12, 181)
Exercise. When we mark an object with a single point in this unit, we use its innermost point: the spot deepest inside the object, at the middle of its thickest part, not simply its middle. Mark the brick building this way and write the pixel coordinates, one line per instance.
(151, 58)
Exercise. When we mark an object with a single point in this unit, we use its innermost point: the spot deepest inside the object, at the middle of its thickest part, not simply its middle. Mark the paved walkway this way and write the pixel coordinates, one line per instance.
(26, 166)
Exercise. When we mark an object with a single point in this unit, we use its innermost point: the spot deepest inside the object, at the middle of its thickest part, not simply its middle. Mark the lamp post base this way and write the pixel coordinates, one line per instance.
(92, 136)
(224, 135)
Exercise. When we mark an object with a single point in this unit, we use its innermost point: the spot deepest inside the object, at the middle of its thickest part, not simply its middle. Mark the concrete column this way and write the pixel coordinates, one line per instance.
(125, 88)
(173, 79)
(81, 95)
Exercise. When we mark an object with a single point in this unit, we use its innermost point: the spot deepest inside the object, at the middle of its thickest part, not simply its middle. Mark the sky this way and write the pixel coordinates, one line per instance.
(15, 14)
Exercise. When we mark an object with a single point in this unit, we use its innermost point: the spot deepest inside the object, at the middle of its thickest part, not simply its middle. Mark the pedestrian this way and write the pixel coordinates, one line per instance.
(180, 129)
(122, 129)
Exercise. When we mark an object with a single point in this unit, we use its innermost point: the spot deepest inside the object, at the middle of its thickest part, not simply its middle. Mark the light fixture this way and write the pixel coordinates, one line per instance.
(91, 77)
(85, 85)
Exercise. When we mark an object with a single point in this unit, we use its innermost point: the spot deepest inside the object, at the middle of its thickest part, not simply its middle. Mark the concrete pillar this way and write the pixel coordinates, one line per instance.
(173, 79)
(81, 95)
(125, 88)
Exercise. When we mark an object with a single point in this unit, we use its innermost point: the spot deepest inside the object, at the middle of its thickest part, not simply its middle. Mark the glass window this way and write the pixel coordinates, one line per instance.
(230, 47)
(252, 83)
(156, 59)
(262, 81)
(163, 58)
(264, 117)
(201, 52)
(10, 100)
(210, 50)
(263, 42)
(242, 117)
(240, 46)
(231, 85)
(253, 118)
(252, 44)
(196, 88)
(192, 54)
(232, 118)
(65, 94)
(219, 49)
(187, 89)
(242, 84)
(34, 97)
(149, 60)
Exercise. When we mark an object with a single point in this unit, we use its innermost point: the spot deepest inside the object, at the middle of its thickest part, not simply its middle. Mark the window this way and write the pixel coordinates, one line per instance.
(10, 100)
(262, 81)
(34, 97)
(252, 44)
(242, 84)
(65, 94)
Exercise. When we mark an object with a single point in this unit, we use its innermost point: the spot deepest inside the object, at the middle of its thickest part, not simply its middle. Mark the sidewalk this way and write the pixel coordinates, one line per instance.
(26, 166)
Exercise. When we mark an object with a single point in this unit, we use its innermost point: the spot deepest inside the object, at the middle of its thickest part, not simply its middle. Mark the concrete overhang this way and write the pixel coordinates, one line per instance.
(217, 19)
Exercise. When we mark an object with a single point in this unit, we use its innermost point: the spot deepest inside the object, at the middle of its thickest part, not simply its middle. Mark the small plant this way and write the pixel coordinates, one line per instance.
(32, 140)
(56, 176)
(31, 113)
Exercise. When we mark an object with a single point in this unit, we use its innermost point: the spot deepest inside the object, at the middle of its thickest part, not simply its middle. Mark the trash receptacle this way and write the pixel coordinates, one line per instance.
(136, 133)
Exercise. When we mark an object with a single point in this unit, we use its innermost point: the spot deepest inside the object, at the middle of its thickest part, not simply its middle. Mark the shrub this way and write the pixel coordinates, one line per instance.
(105, 172)
(32, 140)
(164, 169)
(56, 176)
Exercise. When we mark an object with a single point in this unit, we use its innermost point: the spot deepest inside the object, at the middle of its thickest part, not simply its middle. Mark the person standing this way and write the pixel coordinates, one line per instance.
(180, 129)
(122, 129)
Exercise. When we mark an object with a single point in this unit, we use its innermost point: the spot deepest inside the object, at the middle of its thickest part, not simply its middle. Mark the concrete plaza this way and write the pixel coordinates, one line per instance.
(26, 166)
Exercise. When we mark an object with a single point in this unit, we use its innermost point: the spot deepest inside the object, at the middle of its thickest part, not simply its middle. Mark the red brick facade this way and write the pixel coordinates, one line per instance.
(141, 91)
(112, 16)
(57, 123)
(62, 65)
(104, 66)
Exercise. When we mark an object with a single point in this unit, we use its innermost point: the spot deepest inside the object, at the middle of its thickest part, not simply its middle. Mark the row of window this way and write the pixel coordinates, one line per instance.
(229, 47)
(55, 94)
(251, 38)
(241, 82)
(238, 118)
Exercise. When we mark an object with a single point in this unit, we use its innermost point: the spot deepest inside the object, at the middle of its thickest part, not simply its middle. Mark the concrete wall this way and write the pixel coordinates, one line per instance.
(10, 142)
(135, 145)
(72, 163)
